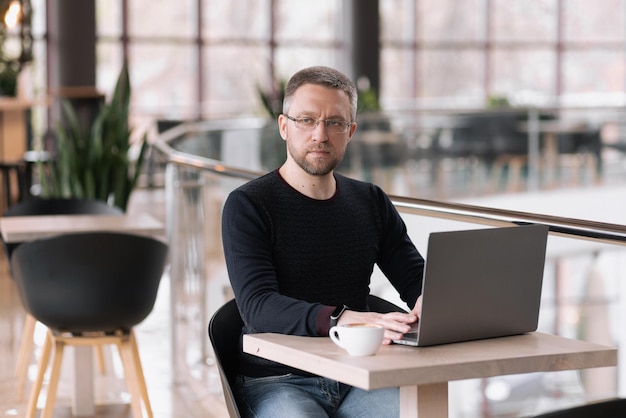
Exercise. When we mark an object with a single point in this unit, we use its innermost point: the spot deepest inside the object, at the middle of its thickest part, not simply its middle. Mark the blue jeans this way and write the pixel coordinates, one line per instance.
(297, 396)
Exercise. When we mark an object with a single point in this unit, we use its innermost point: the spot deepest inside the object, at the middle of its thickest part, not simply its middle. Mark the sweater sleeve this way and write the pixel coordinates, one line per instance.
(247, 242)
(399, 259)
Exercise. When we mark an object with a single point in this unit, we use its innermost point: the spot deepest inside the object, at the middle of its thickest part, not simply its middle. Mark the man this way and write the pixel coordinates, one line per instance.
(301, 243)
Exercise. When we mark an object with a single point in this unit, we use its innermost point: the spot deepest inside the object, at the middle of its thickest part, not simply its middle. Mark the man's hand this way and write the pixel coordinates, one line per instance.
(395, 323)
(417, 309)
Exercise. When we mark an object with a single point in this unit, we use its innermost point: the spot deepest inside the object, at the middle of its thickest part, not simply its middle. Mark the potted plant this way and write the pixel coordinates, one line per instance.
(95, 163)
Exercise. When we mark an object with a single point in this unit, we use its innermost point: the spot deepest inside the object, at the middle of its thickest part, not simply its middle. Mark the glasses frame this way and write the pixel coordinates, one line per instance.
(344, 124)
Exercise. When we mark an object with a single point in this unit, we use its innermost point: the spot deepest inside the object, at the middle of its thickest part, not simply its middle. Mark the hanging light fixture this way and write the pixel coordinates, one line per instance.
(16, 42)
(13, 14)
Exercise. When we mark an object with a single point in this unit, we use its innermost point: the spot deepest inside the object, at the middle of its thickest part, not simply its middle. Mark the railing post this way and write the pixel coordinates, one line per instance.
(534, 164)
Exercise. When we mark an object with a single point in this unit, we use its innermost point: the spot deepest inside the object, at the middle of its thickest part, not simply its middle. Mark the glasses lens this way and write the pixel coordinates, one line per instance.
(332, 125)
(336, 126)
(306, 123)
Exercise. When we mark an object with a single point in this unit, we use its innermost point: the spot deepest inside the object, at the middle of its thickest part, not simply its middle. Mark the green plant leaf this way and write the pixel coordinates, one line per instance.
(95, 163)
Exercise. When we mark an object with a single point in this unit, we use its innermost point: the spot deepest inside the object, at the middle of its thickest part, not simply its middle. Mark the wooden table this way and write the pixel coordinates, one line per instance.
(422, 374)
(28, 228)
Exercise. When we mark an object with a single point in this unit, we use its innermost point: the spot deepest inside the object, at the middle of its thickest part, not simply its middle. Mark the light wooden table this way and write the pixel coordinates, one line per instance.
(28, 228)
(422, 374)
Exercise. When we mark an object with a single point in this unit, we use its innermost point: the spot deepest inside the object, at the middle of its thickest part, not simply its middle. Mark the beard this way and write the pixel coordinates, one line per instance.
(315, 166)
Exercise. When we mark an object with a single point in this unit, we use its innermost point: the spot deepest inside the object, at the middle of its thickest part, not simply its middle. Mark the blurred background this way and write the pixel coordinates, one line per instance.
(511, 104)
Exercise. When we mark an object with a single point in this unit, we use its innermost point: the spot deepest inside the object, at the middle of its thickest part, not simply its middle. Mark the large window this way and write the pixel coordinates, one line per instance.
(206, 59)
(544, 52)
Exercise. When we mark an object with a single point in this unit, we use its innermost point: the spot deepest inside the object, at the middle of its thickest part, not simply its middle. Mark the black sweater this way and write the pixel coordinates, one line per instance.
(292, 259)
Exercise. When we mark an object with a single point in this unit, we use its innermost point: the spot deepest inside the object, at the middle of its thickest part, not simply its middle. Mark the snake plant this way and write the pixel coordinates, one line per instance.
(95, 163)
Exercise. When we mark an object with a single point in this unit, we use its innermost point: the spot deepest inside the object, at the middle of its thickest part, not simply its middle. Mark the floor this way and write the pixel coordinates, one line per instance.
(170, 395)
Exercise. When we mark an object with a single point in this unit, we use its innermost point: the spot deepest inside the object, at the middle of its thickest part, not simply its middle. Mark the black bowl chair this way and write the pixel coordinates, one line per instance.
(611, 408)
(41, 207)
(225, 330)
(90, 289)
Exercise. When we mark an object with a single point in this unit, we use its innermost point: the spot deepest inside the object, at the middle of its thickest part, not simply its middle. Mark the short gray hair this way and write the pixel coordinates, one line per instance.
(322, 76)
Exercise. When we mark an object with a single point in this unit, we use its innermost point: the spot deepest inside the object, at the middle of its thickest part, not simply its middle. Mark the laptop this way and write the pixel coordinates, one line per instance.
(479, 284)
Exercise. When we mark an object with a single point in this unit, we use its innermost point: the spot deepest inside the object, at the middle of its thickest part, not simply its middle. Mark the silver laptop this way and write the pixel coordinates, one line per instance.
(480, 284)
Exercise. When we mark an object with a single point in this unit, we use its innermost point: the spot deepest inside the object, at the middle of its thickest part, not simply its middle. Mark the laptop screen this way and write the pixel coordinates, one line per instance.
(481, 283)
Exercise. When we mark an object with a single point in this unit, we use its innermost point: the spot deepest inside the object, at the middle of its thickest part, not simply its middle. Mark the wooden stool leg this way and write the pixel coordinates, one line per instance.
(55, 374)
(25, 354)
(139, 372)
(130, 376)
(35, 390)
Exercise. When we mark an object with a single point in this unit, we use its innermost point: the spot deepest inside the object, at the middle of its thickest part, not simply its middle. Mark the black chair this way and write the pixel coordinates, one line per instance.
(612, 408)
(40, 207)
(380, 305)
(585, 147)
(225, 331)
(90, 289)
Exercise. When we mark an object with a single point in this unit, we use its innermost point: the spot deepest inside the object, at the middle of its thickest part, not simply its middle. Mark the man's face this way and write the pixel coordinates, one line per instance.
(317, 151)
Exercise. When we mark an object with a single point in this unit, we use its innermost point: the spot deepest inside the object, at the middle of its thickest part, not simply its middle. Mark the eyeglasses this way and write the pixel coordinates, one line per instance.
(332, 125)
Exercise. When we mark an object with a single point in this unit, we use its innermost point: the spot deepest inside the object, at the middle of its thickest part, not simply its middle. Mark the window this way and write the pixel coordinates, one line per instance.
(206, 59)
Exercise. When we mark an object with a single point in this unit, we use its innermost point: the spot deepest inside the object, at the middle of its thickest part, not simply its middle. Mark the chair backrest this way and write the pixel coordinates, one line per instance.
(225, 331)
(380, 305)
(40, 207)
(97, 281)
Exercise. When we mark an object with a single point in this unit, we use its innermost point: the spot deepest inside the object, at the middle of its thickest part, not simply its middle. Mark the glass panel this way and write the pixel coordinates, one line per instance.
(288, 60)
(109, 17)
(236, 19)
(199, 283)
(521, 20)
(163, 80)
(108, 64)
(523, 77)
(590, 75)
(451, 20)
(229, 86)
(398, 75)
(397, 20)
(449, 73)
(307, 21)
(591, 20)
(166, 18)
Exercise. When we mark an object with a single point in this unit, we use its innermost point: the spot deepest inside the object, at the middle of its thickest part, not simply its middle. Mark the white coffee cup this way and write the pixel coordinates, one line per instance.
(358, 339)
